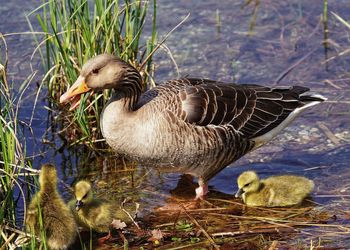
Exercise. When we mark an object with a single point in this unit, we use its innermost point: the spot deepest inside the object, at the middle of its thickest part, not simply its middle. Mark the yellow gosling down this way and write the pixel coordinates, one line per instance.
(93, 213)
(57, 218)
(275, 191)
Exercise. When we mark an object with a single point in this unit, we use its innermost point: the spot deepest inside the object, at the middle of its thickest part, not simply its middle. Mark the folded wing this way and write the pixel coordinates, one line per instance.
(251, 109)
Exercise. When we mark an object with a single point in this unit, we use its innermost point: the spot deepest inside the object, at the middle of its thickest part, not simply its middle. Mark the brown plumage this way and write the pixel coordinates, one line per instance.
(275, 191)
(58, 222)
(193, 126)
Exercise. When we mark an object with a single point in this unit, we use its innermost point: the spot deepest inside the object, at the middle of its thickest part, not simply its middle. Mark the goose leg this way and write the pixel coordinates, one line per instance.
(202, 190)
(102, 240)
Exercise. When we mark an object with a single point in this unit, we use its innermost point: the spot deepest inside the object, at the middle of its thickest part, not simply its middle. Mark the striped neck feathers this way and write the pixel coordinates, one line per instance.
(129, 88)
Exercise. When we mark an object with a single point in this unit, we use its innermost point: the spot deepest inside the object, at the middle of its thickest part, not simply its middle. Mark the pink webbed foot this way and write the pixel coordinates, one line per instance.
(104, 239)
(202, 190)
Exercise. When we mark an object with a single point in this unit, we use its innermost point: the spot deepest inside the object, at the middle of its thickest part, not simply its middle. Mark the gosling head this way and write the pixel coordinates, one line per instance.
(83, 194)
(104, 71)
(48, 175)
(247, 182)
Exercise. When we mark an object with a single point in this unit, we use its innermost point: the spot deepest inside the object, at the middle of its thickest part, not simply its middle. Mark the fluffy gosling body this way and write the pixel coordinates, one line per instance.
(275, 191)
(93, 213)
(57, 218)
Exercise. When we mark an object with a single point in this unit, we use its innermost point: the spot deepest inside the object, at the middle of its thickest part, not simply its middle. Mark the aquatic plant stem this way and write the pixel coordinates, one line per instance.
(201, 228)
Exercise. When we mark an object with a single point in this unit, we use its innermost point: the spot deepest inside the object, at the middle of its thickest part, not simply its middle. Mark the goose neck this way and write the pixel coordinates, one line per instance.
(129, 89)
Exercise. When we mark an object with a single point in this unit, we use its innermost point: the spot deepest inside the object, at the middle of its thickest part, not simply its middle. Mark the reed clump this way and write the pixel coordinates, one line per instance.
(14, 166)
(78, 30)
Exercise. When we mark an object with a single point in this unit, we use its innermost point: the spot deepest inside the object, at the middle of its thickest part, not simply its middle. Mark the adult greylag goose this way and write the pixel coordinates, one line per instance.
(275, 191)
(193, 126)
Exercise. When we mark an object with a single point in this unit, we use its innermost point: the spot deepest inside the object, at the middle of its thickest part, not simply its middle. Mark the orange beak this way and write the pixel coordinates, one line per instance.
(73, 94)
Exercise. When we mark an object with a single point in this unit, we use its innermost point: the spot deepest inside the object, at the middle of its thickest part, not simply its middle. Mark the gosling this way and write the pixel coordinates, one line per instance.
(57, 219)
(275, 191)
(93, 213)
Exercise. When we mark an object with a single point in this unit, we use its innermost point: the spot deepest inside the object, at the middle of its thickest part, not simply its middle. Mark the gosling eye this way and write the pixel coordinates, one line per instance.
(85, 196)
(246, 185)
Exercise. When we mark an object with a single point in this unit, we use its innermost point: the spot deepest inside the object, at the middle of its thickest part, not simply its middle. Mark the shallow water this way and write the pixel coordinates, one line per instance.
(244, 48)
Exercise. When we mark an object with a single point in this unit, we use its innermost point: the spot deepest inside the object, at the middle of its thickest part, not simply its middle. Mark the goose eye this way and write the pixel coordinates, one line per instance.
(95, 71)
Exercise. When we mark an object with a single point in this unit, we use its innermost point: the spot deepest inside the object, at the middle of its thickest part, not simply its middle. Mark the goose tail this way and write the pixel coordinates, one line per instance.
(311, 100)
(306, 101)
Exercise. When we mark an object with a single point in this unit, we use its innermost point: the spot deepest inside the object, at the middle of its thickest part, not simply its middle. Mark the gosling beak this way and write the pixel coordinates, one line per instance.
(239, 193)
(78, 205)
(74, 93)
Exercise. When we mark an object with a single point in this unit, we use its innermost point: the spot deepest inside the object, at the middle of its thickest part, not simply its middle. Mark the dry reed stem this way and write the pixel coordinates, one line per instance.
(129, 215)
(162, 41)
(191, 246)
(289, 69)
(201, 228)
(328, 133)
(292, 223)
(7, 240)
(27, 168)
(260, 231)
(21, 234)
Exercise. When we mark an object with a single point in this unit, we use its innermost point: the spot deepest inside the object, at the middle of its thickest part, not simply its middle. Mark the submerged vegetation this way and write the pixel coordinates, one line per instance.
(78, 30)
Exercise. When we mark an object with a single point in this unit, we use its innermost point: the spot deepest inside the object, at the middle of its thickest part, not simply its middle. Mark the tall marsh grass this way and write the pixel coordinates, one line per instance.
(77, 30)
(14, 166)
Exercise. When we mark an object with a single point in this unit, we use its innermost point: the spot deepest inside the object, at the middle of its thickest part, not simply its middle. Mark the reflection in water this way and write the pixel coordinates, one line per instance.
(185, 187)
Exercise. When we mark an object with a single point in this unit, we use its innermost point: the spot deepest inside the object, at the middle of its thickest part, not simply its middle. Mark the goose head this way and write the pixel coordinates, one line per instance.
(48, 175)
(247, 182)
(101, 72)
(83, 194)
